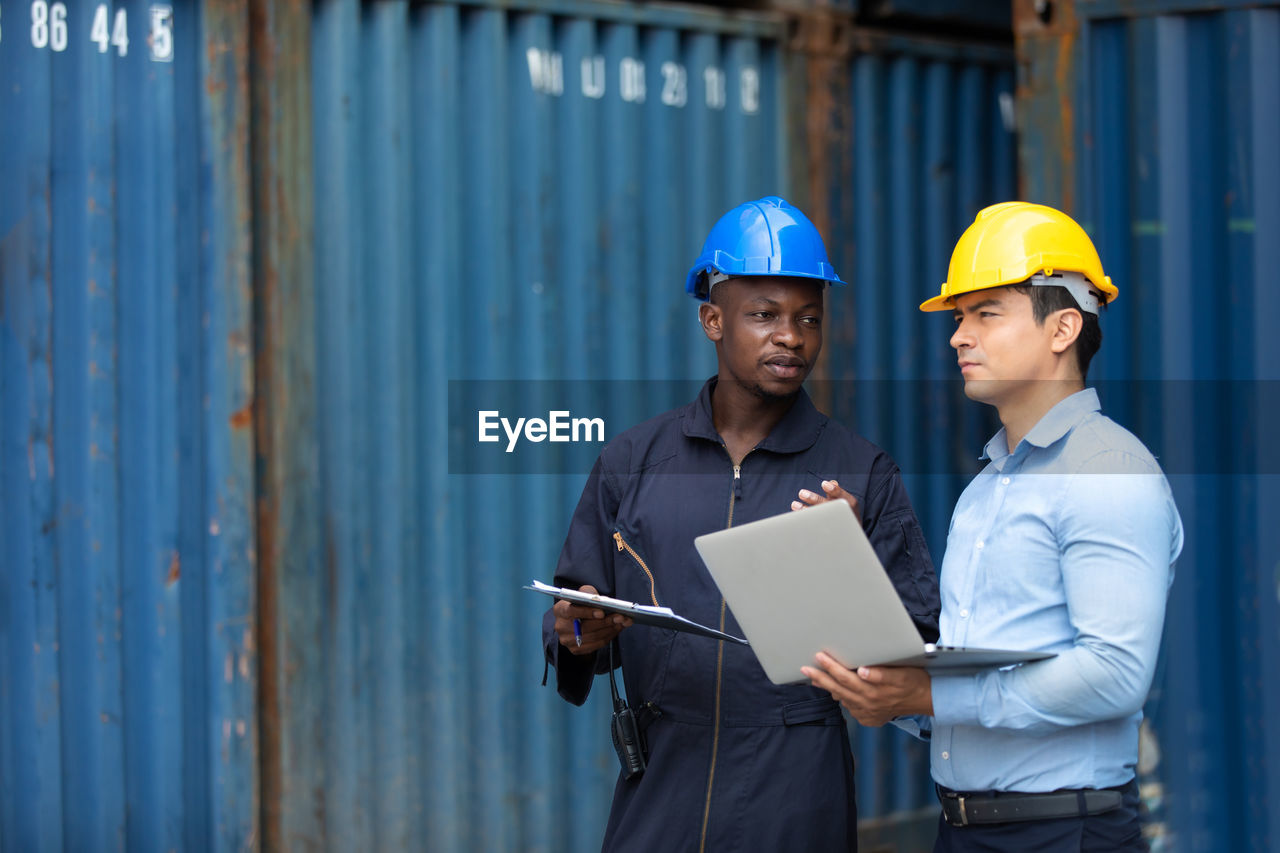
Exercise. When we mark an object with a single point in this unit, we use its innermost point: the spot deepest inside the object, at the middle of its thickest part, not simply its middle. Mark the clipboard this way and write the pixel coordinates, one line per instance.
(641, 614)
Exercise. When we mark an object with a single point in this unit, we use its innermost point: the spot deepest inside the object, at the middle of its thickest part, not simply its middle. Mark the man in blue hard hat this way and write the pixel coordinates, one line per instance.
(734, 761)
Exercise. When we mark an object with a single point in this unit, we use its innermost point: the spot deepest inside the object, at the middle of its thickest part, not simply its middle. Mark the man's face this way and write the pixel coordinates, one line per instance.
(999, 345)
(768, 331)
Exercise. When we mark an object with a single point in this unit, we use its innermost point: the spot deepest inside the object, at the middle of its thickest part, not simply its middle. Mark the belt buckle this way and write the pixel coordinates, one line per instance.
(958, 799)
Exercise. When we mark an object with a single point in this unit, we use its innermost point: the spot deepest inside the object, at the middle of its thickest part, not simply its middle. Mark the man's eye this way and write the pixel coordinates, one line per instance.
(811, 321)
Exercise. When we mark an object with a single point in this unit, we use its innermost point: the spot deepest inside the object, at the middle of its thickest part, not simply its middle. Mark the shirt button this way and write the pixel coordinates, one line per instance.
(964, 614)
(1005, 481)
(945, 756)
(979, 545)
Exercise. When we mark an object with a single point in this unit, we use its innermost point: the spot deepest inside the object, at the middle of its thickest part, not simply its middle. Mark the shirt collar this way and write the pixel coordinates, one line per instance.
(798, 430)
(1055, 423)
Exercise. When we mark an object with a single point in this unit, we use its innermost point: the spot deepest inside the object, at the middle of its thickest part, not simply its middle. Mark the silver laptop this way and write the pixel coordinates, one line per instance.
(809, 581)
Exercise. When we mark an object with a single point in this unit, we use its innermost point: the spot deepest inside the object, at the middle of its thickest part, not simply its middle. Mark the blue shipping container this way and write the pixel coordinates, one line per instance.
(127, 617)
(1158, 124)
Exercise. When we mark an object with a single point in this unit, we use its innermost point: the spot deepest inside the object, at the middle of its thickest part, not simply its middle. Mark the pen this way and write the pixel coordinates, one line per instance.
(577, 632)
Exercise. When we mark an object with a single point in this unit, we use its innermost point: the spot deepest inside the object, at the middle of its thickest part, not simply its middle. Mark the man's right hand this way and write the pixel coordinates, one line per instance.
(598, 628)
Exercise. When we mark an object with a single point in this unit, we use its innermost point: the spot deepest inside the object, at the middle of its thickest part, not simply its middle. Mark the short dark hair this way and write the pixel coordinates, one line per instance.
(1046, 299)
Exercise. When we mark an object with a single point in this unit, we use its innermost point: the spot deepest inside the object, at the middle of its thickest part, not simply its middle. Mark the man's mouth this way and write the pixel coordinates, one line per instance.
(785, 366)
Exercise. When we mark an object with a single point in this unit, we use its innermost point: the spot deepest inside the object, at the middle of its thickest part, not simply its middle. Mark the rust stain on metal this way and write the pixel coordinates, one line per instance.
(827, 39)
(1064, 73)
(270, 683)
(277, 90)
(216, 83)
(175, 570)
(1046, 53)
(243, 417)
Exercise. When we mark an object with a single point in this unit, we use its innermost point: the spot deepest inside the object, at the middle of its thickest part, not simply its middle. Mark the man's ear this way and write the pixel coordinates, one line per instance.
(1066, 325)
(711, 318)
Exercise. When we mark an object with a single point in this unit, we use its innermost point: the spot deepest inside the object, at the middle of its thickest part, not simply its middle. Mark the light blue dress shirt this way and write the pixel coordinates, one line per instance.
(1064, 545)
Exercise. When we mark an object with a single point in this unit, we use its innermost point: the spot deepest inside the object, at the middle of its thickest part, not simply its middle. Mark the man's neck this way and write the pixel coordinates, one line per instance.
(1020, 415)
(743, 418)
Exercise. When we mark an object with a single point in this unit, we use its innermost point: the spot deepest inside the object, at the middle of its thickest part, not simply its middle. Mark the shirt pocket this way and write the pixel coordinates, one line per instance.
(906, 560)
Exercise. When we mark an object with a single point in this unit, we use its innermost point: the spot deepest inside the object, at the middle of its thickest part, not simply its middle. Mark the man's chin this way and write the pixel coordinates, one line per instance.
(981, 390)
(776, 391)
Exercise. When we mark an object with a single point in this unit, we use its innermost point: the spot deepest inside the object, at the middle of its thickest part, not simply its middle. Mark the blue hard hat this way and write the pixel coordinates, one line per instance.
(764, 237)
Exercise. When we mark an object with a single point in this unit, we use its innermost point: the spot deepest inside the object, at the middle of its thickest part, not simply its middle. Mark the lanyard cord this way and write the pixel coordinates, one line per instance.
(618, 704)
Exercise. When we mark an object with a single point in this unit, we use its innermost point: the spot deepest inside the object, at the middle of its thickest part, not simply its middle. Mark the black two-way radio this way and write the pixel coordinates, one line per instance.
(628, 740)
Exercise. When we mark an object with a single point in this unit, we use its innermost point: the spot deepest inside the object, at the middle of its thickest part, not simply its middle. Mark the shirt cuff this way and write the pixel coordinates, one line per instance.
(918, 726)
(955, 700)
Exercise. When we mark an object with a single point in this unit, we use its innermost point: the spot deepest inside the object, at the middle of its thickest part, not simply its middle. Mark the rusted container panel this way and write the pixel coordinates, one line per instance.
(502, 193)
(1165, 149)
(127, 661)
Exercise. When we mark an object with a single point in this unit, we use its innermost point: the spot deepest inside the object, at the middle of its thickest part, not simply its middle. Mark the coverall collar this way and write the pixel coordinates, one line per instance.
(797, 431)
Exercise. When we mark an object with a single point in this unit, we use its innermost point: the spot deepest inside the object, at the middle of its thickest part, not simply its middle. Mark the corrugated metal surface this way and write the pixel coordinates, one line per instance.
(1167, 155)
(126, 469)
(500, 193)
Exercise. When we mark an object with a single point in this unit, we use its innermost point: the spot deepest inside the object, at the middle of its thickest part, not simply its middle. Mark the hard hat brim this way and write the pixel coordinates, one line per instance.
(938, 303)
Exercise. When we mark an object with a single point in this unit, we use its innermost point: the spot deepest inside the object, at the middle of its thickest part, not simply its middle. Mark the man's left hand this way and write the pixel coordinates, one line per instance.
(874, 695)
(832, 492)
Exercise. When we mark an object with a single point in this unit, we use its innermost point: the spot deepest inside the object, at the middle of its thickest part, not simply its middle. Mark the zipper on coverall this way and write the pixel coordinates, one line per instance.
(735, 492)
(623, 546)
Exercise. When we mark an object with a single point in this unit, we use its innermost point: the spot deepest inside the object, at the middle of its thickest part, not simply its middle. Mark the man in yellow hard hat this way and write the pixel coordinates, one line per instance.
(1064, 543)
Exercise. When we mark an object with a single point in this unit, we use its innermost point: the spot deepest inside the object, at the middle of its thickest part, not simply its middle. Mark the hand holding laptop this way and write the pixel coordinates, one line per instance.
(874, 695)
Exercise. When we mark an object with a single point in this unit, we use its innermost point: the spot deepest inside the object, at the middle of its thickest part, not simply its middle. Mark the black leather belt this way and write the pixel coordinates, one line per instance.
(961, 809)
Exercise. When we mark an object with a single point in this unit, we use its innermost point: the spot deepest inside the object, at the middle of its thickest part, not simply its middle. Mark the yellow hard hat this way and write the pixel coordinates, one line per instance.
(1009, 243)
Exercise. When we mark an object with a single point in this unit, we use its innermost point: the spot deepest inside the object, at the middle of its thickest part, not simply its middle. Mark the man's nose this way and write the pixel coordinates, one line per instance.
(961, 337)
(788, 334)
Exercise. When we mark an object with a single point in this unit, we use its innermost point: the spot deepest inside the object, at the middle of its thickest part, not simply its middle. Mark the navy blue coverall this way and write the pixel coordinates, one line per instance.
(735, 761)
